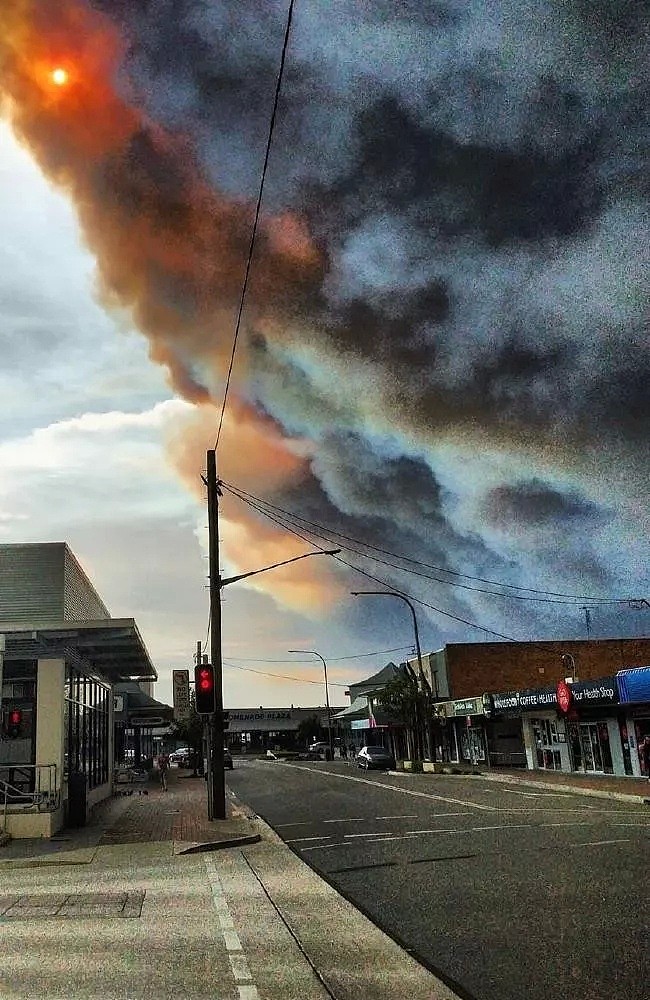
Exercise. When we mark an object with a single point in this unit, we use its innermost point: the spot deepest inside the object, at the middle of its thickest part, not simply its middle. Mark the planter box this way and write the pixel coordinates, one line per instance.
(432, 767)
(414, 766)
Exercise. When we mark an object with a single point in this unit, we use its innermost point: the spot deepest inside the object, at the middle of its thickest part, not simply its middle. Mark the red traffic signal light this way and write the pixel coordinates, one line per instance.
(13, 725)
(204, 689)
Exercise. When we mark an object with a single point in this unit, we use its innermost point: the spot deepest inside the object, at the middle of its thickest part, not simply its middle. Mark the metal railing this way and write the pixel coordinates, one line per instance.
(28, 788)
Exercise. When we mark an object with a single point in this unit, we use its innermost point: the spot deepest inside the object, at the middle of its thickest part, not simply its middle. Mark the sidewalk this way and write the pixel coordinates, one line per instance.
(605, 786)
(141, 814)
(123, 910)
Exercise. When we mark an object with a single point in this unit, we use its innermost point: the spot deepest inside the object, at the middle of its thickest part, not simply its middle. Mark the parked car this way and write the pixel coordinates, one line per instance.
(376, 758)
(317, 750)
(181, 756)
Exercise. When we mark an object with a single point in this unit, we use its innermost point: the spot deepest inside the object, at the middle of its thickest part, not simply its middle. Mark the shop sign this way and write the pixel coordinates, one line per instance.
(524, 700)
(259, 716)
(600, 692)
(467, 706)
(564, 696)
(360, 724)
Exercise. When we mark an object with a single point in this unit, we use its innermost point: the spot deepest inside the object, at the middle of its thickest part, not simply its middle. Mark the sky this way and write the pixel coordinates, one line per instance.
(442, 364)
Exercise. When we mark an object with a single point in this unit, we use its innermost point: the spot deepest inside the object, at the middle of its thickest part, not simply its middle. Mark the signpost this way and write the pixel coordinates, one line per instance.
(181, 688)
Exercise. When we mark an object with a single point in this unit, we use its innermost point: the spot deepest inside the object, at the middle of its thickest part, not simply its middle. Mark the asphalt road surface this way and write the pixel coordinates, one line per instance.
(506, 893)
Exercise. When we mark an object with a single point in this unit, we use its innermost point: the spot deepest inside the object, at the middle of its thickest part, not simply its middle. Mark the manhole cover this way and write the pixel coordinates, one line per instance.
(74, 904)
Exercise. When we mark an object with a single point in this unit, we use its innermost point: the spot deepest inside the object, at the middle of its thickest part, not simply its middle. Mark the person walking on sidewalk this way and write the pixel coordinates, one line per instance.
(644, 754)
(163, 768)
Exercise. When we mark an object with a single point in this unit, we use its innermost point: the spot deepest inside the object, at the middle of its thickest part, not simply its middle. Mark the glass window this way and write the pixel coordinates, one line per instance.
(87, 726)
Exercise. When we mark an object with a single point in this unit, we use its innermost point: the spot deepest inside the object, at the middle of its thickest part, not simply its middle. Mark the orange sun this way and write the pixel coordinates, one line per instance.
(59, 76)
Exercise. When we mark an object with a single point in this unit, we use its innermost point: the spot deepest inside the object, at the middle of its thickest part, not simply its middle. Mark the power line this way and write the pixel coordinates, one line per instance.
(330, 659)
(285, 677)
(240, 311)
(328, 532)
(376, 579)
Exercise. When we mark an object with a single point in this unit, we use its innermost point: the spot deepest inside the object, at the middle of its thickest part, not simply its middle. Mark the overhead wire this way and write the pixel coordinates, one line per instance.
(286, 677)
(258, 207)
(448, 614)
(333, 534)
(330, 659)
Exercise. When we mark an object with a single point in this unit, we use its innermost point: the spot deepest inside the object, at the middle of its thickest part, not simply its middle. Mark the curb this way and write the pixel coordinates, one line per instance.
(218, 845)
(593, 792)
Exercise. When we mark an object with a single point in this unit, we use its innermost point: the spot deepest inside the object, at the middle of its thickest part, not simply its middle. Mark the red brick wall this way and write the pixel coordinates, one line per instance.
(504, 666)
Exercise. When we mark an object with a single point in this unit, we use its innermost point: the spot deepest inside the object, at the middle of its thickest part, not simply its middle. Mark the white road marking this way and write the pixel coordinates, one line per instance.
(412, 816)
(378, 833)
(641, 825)
(356, 819)
(280, 826)
(238, 962)
(303, 840)
(391, 788)
(600, 843)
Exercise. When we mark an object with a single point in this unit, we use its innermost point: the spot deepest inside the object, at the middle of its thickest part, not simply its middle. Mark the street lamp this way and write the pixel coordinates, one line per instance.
(394, 593)
(330, 740)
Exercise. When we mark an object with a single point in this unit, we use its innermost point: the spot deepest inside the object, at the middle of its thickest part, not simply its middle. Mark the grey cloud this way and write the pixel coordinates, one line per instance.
(472, 176)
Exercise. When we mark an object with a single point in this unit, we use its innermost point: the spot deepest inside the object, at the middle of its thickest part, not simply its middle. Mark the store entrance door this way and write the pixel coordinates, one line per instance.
(590, 747)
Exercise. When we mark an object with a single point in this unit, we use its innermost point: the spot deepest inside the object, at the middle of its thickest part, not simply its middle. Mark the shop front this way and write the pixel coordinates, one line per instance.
(634, 694)
(571, 727)
(463, 734)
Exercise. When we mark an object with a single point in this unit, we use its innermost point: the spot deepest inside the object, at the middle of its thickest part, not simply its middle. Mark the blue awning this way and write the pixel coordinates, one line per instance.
(634, 684)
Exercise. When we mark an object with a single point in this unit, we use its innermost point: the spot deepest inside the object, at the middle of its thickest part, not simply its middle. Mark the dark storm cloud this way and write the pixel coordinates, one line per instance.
(472, 175)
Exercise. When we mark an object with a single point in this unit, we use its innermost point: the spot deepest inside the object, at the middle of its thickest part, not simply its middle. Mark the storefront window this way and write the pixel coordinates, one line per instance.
(86, 743)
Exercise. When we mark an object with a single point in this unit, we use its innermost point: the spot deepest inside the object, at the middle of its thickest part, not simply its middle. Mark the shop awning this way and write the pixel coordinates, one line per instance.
(357, 710)
(113, 646)
(634, 684)
(140, 709)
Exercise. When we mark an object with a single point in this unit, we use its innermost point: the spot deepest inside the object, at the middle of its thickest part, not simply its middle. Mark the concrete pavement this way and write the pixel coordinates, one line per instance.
(119, 909)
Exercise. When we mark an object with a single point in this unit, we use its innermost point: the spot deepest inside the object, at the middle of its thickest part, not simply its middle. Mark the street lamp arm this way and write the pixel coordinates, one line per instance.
(330, 735)
(285, 562)
(394, 593)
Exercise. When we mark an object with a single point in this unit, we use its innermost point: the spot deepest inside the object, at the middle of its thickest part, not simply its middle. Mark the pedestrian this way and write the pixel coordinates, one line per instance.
(644, 754)
(343, 751)
(163, 768)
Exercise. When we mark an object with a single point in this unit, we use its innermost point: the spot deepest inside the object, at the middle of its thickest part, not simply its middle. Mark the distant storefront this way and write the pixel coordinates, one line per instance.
(634, 695)
(255, 729)
(463, 732)
(575, 726)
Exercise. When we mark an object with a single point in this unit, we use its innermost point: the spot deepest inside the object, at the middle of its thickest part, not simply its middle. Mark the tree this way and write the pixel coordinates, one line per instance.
(309, 729)
(404, 699)
(190, 729)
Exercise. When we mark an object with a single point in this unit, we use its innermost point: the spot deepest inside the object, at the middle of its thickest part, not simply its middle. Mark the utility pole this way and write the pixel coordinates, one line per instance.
(216, 779)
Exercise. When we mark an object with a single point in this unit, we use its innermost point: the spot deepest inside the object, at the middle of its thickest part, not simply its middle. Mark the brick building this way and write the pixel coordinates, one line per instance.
(470, 668)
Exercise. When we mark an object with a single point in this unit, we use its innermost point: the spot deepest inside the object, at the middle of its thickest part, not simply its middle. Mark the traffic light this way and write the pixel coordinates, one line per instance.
(204, 687)
(13, 726)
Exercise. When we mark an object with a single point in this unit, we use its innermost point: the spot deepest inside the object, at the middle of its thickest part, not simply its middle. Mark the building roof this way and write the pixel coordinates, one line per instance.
(113, 646)
(378, 680)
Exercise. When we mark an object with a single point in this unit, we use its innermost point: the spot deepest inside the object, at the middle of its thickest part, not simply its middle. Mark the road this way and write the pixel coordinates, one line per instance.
(506, 893)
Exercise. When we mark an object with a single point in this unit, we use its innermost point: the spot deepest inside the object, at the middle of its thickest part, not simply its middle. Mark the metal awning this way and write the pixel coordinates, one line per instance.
(357, 710)
(113, 646)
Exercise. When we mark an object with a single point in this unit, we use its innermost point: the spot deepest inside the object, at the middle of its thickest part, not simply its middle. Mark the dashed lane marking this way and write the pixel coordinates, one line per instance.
(345, 819)
(600, 843)
(238, 962)
(304, 840)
